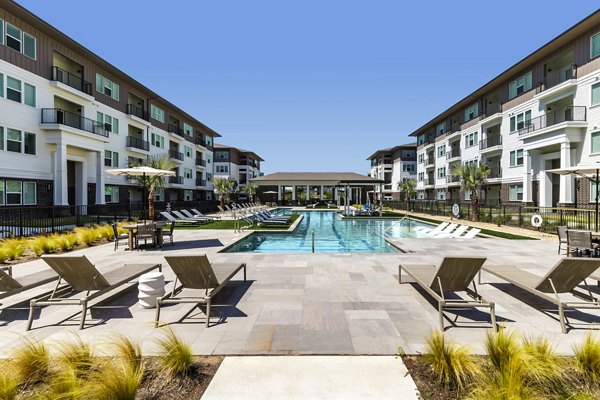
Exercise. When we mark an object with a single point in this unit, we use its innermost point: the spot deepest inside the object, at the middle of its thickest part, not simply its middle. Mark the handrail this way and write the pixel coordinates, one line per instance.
(385, 234)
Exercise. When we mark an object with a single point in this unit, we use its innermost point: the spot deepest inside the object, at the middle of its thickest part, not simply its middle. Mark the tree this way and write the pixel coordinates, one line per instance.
(250, 190)
(408, 188)
(471, 179)
(224, 187)
(154, 183)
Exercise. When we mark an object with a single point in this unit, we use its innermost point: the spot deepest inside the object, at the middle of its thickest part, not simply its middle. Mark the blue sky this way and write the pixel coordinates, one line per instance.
(312, 85)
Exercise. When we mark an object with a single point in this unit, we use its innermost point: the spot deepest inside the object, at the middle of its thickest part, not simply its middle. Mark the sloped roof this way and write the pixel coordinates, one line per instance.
(392, 149)
(337, 177)
(224, 146)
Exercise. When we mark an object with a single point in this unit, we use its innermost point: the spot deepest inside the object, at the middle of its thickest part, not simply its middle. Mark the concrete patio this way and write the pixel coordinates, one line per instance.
(321, 304)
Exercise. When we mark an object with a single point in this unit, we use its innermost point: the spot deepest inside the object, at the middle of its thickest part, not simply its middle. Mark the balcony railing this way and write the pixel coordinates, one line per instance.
(557, 77)
(175, 129)
(452, 179)
(138, 143)
(60, 75)
(575, 113)
(495, 172)
(490, 142)
(175, 155)
(491, 109)
(201, 142)
(176, 180)
(59, 116)
(201, 162)
(138, 112)
(453, 154)
(200, 182)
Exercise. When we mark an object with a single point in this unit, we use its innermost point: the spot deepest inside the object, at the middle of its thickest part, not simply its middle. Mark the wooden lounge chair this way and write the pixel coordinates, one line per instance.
(454, 274)
(196, 272)
(563, 278)
(10, 285)
(82, 276)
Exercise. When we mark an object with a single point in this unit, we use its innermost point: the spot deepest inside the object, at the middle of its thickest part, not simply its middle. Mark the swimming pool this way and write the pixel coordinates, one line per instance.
(332, 235)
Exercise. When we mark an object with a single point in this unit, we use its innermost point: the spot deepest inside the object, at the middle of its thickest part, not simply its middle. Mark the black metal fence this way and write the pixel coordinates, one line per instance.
(508, 214)
(29, 221)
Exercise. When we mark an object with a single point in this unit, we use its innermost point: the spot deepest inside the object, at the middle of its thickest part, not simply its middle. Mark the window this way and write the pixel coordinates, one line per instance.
(222, 169)
(187, 151)
(408, 154)
(221, 155)
(13, 140)
(13, 37)
(107, 87)
(1, 84)
(515, 192)
(471, 112)
(159, 195)
(471, 139)
(29, 95)
(157, 113)
(30, 145)
(420, 139)
(421, 176)
(595, 142)
(187, 173)
(29, 193)
(441, 151)
(595, 46)
(516, 158)
(13, 89)
(16, 193)
(467, 194)
(1, 138)
(187, 129)
(441, 128)
(471, 163)
(1, 189)
(111, 194)
(520, 86)
(1, 35)
(29, 46)
(520, 121)
(209, 177)
(596, 91)
(158, 141)
(408, 167)
(111, 158)
(187, 195)
(421, 158)
(441, 193)
(441, 172)
(110, 124)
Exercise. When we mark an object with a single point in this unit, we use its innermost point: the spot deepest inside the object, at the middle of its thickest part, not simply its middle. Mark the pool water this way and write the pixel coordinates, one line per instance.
(332, 235)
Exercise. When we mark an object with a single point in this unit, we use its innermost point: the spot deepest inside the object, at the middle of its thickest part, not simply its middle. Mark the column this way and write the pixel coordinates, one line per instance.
(566, 181)
(307, 194)
(294, 193)
(81, 189)
(321, 193)
(527, 186)
(100, 199)
(545, 189)
(278, 192)
(61, 193)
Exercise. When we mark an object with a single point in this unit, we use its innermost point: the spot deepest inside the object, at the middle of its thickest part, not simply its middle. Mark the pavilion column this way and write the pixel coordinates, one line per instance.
(321, 193)
(278, 192)
(294, 193)
(100, 198)
(307, 194)
(527, 185)
(61, 194)
(566, 181)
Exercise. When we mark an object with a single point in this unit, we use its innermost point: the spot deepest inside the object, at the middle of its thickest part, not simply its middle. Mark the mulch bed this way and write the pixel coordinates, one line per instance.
(427, 383)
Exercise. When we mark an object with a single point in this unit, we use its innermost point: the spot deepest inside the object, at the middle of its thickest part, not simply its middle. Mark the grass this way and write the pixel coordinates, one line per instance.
(9, 384)
(129, 352)
(587, 358)
(13, 248)
(31, 361)
(76, 355)
(453, 364)
(116, 380)
(176, 356)
(87, 236)
(67, 241)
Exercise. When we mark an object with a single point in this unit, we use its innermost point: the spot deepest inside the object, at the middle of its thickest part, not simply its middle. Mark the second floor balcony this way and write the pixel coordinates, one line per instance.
(63, 117)
(495, 172)
(541, 124)
(58, 74)
(137, 112)
(175, 129)
(453, 155)
(175, 155)
(200, 182)
(452, 180)
(137, 143)
(491, 143)
(200, 162)
(177, 180)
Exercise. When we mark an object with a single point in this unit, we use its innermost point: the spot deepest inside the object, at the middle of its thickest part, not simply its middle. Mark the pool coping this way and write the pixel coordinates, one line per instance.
(289, 230)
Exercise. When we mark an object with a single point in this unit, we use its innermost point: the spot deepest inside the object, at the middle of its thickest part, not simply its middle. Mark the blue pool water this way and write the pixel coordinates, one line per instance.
(332, 235)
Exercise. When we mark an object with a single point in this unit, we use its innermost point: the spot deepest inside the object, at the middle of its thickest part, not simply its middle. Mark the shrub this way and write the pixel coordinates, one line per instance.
(43, 244)
(67, 241)
(31, 360)
(129, 352)
(65, 385)
(176, 356)
(453, 364)
(13, 248)
(75, 355)
(87, 236)
(587, 358)
(2, 254)
(542, 366)
(9, 383)
(501, 347)
(116, 381)
(499, 220)
(106, 232)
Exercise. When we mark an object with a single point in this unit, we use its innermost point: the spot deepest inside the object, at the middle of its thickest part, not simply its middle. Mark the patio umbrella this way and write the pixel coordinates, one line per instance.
(270, 192)
(142, 172)
(584, 171)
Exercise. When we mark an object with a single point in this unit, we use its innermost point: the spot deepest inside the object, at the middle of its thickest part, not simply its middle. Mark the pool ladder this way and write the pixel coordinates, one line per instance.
(385, 232)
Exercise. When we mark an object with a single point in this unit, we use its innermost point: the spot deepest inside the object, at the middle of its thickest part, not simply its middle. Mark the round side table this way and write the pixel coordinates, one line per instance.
(150, 286)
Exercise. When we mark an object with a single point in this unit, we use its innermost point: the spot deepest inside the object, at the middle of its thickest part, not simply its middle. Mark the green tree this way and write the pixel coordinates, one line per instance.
(224, 187)
(250, 190)
(471, 179)
(154, 183)
(408, 188)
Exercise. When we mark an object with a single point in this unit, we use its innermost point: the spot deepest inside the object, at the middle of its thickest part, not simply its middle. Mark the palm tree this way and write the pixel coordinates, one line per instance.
(250, 190)
(223, 187)
(408, 188)
(154, 183)
(471, 178)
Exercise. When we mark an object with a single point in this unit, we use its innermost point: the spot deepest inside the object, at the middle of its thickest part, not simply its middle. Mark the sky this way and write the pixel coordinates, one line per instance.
(312, 85)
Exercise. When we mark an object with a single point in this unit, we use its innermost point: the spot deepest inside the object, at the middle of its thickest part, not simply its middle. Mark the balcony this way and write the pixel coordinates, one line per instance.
(575, 116)
(495, 172)
(200, 162)
(492, 115)
(491, 143)
(62, 117)
(454, 129)
(452, 180)
(137, 112)
(175, 155)
(200, 182)
(175, 129)
(556, 78)
(60, 75)
(137, 143)
(453, 155)
(201, 142)
(429, 162)
(177, 180)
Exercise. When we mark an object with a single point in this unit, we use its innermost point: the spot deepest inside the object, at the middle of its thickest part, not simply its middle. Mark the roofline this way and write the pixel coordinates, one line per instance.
(225, 146)
(392, 149)
(565, 36)
(16, 8)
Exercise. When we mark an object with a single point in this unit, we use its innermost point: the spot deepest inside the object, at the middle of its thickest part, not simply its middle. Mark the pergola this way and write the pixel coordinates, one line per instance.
(349, 182)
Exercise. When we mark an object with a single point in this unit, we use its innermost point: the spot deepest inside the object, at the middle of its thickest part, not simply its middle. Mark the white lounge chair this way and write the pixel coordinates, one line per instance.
(471, 234)
(448, 229)
(429, 229)
(458, 232)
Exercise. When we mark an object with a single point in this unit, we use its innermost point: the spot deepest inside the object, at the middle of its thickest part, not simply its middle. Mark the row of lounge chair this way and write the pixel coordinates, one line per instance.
(79, 282)
(456, 274)
(186, 217)
(243, 208)
(449, 230)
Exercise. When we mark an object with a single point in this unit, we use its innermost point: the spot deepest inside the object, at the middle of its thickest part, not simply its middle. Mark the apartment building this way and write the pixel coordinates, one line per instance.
(67, 115)
(394, 165)
(238, 164)
(541, 113)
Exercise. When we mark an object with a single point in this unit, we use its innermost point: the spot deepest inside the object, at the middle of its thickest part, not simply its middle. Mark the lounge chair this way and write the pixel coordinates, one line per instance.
(10, 285)
(458, 232)
(268, 215)
(189, 215)
(429, 229)
(447, 230)
(182, 217)
(199, 214)
(82, 276)
(563, 278)
(196, 272)
(221, 210)
(169, 233)
(118, 236)
(454, 274)
(263, 220)
(471, 234)
(561, 231)
(172, 219)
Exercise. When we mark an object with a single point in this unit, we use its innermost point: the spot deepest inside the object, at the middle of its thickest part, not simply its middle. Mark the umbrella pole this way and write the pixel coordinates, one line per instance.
(597, 195)
(144, 198)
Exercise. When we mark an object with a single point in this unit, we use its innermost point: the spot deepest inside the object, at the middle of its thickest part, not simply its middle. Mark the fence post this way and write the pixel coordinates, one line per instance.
(520, 216)
(98, 214)
(52, 218)
(129, 212)
(561, 216)
(20, 222)
(589, 219)
(77, 220)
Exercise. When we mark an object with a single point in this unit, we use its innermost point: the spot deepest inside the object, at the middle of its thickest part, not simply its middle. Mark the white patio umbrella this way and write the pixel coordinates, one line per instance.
(590, 172)
(141, 172)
